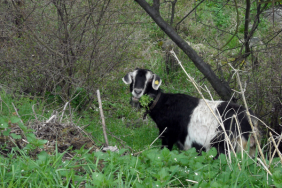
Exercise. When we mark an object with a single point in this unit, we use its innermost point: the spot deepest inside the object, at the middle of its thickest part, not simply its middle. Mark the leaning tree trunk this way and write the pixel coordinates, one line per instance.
(221, 87)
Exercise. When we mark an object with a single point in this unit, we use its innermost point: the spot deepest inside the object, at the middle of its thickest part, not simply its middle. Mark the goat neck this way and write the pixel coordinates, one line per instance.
(156, 96)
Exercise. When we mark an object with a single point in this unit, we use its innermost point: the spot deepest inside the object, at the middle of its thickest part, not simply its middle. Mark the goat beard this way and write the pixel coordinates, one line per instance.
(135, 102)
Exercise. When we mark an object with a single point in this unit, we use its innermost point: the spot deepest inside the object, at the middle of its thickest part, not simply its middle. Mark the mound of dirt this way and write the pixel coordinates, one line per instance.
(58, 135)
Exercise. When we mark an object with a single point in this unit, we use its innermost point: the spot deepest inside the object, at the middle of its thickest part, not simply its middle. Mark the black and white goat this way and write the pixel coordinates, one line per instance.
(188, 120)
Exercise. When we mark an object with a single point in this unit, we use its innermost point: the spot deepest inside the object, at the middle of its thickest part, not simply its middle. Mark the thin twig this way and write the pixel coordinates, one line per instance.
(121, 141)
(241, 143)
(17, 113)
(274, 150)
(248, 113)
(195, 85)
(264, 166)
(102, 117)
(34, 112)
(5, 104)
(279, 100)
(264, 124)
(191, 181)
(158, 137)
(209, 93)
(276, 147)
(81, 130)
(64, 109)
(84, 126)
(151, 143)
(179, 181)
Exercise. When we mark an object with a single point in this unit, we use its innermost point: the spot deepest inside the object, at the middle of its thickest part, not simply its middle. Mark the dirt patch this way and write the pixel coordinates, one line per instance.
(58, 135)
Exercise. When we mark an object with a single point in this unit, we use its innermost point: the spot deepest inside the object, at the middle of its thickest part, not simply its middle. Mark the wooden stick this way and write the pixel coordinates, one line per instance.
(34, 112)
(63, 111)
(102, 117)
(158, 137)
(276, 147)
(17, 113)
(259, 160)
(248, 114)
(270, 160)
(219, 120)
(240, 135)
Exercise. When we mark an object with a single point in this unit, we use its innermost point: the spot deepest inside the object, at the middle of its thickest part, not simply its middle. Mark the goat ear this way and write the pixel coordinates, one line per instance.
(127, 79)
(156, 83)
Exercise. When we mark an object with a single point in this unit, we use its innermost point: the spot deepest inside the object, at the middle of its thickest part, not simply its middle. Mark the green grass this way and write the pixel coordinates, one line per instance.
(150, 168)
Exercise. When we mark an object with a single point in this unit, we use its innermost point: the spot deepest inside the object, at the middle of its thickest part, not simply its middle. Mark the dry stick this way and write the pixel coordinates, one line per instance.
(151, 143)
(192, 181)
(264, 124)
(63, 111)
(5, 104)
(19, 117)
(195, 85)
(241, 143)
(17, 113)
(103, 117)
(269, 154)
(34, 112)
(209, 93)
(276, 147)
(279, 100)
(259, 160)
(248, 113)
(81, 130)
(179, 181)
(158, 137)
(274, 150)
(50, 119)
(1, 103)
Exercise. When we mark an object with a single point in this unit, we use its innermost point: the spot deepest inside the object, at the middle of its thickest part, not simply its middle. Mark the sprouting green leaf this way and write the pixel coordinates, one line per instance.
(3, 123)
(145, 101)
(212, 153)
(31, 137)
(277, 178)
(15, 119)
(6, 132)
(42, 157)
(15, 136)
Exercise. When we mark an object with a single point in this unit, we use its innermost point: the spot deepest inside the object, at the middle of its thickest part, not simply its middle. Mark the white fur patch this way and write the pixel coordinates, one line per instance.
(148, 77)
(202, 126)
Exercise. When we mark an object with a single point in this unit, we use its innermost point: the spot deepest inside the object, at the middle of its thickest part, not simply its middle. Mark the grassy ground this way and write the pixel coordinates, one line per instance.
(136, 164)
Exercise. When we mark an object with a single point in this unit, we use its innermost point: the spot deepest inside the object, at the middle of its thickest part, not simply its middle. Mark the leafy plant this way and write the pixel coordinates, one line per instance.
(145, 100)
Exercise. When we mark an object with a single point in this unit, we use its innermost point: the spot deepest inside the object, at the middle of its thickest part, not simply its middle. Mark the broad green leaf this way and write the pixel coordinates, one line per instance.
(277, 178)
(15, 119)
(15, 136)
(4, 125)
(7, 132)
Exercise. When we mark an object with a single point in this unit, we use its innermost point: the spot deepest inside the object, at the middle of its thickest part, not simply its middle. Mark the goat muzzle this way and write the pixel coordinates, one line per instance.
(135, 102)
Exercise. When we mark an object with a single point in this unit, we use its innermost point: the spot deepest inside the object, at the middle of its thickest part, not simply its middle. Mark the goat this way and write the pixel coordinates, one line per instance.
(188, 120)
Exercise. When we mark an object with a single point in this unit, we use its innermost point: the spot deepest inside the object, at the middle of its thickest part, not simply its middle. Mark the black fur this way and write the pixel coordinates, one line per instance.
(173, 111)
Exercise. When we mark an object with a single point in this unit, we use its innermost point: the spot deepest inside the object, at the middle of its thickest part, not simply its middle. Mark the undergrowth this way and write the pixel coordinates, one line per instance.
(151, 168)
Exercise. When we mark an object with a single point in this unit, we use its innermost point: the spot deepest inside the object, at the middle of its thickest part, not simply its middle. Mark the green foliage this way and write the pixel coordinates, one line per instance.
(80, 96)
(151, 168)
(8, 119)
(145, 100)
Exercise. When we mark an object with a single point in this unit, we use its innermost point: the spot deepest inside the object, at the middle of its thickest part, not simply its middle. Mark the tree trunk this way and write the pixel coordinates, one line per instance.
(221, 87)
